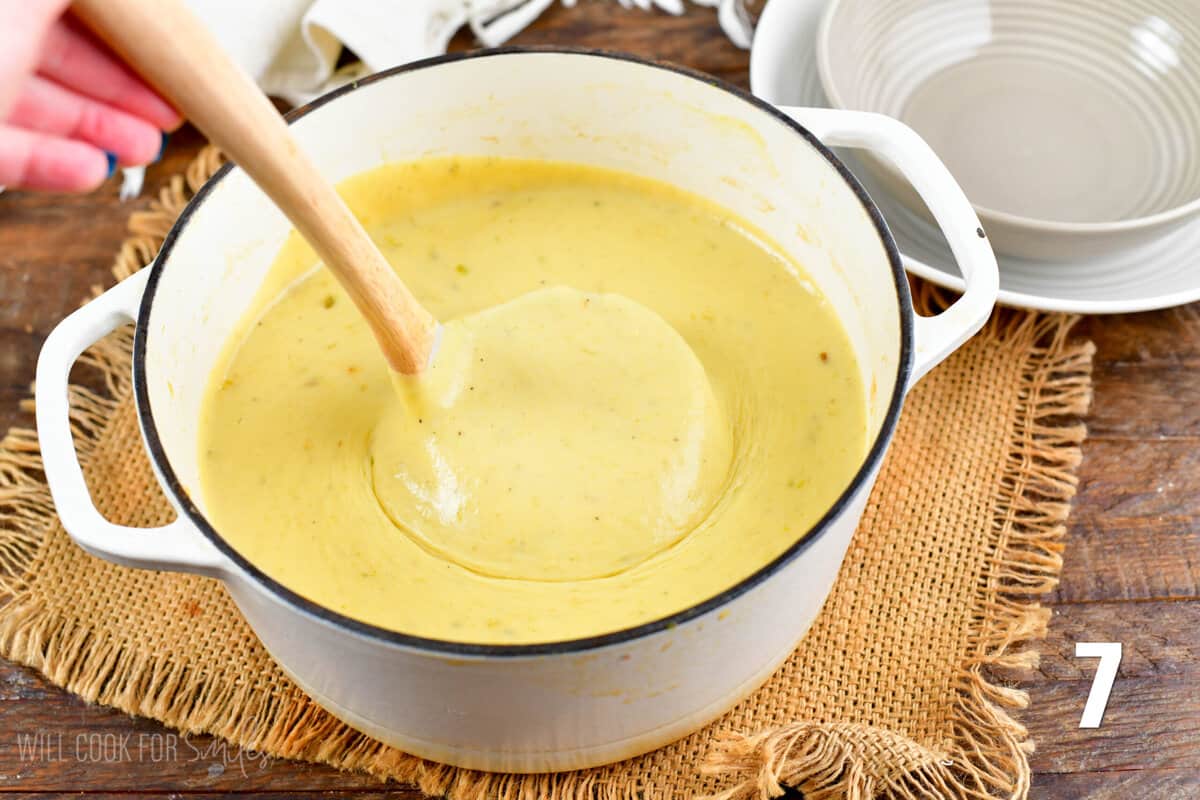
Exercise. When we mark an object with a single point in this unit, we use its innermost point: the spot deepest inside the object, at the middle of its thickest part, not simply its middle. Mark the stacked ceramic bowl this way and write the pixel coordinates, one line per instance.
(1073, 126)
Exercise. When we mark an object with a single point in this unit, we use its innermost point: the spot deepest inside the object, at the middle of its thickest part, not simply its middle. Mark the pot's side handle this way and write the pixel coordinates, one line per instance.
(935, 337)
(177, 546)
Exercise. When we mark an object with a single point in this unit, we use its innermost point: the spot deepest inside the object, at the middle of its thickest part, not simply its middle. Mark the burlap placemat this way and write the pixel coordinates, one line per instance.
(889, 695)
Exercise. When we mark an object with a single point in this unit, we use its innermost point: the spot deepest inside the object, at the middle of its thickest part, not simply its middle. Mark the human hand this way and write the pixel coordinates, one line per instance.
(70, 110)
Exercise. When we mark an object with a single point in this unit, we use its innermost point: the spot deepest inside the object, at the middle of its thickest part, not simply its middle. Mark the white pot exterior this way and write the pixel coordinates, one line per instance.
(553, 711)
(557, 706)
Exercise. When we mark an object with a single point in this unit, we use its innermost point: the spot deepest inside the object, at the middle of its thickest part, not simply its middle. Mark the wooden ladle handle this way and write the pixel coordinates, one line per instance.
(173, 50)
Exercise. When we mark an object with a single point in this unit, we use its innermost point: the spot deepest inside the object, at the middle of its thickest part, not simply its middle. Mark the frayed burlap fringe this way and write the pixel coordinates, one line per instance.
(827, 761)
(982, 755)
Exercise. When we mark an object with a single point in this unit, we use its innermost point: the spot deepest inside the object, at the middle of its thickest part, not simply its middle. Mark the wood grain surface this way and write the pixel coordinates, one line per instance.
(1132, 566)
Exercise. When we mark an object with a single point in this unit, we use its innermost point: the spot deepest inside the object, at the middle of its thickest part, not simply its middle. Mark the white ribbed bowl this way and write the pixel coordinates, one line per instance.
(1073, 125)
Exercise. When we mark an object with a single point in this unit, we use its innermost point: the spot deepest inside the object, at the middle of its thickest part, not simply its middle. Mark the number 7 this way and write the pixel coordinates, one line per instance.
(1109, 654)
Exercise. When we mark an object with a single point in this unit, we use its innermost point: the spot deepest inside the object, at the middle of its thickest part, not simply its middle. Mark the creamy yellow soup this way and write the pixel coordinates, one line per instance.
(636, 403)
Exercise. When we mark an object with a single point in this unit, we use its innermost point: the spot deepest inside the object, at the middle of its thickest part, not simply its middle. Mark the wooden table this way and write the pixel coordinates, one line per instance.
(1132, 569)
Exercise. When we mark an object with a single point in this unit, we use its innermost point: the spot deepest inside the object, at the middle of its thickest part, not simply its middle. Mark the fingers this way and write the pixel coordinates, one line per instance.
(56, 131)
(26, 23)
(31, 160)
(37, 13)
(76, 60)
(47, 107)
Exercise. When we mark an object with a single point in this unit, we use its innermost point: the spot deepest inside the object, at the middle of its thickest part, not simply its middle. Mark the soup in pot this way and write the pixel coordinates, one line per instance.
(637, 402)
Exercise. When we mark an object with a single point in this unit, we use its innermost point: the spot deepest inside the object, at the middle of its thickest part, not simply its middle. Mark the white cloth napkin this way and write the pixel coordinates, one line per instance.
(291, 47)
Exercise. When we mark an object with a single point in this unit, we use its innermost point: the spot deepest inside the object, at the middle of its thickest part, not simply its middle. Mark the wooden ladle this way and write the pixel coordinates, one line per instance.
(173, 51)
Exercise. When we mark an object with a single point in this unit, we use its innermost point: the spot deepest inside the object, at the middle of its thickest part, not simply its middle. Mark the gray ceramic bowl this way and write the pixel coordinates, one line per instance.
(1073, 125)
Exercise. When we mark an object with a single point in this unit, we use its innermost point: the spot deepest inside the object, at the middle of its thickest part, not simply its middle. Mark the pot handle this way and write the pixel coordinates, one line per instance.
(177, 546)
(935, 337)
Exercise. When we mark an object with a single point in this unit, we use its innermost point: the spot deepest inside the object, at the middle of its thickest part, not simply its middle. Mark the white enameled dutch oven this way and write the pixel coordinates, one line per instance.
(559, 705)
